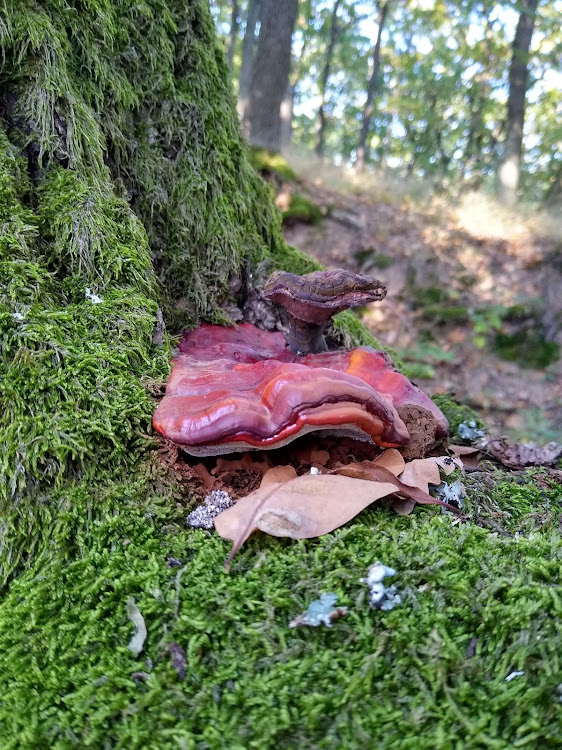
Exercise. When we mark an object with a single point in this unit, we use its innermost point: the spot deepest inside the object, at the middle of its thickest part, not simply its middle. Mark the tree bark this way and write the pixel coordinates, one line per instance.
(288, 103)
(553, 196)
(248, 54)
(372, 89)
(473, 160)
(323, 82)
(271, 73)
(510, 166)
(234, 21)
(286, 113)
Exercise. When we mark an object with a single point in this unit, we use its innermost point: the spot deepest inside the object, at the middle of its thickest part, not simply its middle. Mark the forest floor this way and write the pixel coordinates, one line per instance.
(473, 305)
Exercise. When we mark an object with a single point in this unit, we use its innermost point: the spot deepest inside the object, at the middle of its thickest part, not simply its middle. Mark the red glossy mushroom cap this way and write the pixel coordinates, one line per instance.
(240, 389)
(315, 297)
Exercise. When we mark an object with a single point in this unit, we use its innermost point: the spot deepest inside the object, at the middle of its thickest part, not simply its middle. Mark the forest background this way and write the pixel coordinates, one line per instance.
(425, 90)
(427, 116)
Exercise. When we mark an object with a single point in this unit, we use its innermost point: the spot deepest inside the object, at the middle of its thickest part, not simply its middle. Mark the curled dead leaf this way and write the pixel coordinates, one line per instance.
(519, 455)
(278, 475)
(312, 505)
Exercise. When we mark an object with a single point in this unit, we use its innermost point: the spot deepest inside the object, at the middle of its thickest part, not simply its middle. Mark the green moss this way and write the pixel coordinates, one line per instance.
(269, 162)
(73, 405)
(445, 313)
(370, 258)
(528, 347)
(419, 360)
(140, 190)
(419, 371)
(509, 503)
(403, 677)
(456, 413)
(302, 209)
(432, 295)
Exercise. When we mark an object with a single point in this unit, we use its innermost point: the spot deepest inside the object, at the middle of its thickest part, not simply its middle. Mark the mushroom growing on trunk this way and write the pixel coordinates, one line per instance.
(311, 300)
(238, 389)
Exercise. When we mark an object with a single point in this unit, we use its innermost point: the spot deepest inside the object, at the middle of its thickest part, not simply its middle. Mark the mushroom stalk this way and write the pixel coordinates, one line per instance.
(305, 338)
(312, 299)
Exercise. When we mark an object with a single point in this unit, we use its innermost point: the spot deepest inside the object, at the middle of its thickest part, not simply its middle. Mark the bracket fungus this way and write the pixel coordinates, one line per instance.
(312, 299)
(238, 389)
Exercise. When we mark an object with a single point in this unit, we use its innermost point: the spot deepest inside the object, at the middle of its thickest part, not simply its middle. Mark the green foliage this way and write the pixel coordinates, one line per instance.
(404, 677)
(528, 347)
(441, 101)
(445, 313)
(486, 320)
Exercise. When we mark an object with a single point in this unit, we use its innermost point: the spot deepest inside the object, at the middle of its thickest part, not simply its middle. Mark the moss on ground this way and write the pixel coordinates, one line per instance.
(269, 162)
(456, 413)
(528, 347)
(302, 209)
(430, 674)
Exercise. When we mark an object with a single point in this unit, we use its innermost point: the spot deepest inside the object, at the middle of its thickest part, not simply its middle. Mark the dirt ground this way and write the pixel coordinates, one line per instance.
(450, 293)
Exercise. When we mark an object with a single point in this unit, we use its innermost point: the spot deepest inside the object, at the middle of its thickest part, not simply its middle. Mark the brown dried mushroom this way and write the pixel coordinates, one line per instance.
(312, 299)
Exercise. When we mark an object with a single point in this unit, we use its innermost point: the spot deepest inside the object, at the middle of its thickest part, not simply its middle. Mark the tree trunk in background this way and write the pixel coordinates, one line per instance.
(288, 103)
(323, 82)
(372, 90)
(286, 113)
(248, 53)
(553, 197)
(233, 32)
(474, 159)
(271, 73)
(510, 167)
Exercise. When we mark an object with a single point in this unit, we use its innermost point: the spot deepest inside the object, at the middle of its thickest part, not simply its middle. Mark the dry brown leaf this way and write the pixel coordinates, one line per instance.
(310, 505)
(463, 450)
(319, 457)
(469, 453)
(519, 455)
(392, 460)
(278, 475)
(447, 463)
(421, 472)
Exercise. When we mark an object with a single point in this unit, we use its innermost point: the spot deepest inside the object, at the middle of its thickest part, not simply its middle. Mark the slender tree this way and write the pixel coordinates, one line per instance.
(323, 82)
(297, 68)
(271, 72)
(477, 95)
(372, 87)
(234, 23)
(510, 167)
(248, 54)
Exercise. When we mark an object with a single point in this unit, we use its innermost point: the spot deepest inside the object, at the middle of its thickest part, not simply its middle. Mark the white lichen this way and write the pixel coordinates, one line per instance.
(381, 596)
(94, 299)
(204, 516)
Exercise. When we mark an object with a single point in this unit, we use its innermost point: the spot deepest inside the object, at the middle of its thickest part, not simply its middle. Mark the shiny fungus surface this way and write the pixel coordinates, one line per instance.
(237, 389)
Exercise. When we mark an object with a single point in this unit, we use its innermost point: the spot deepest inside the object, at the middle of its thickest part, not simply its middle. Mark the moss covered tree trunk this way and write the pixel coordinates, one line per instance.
(125, 187)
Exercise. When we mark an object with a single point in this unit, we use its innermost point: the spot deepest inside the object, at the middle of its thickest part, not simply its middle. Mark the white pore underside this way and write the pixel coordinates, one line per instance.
(238, 446)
